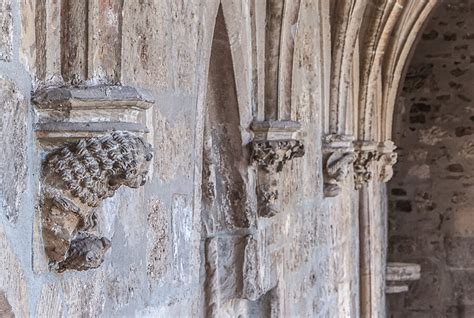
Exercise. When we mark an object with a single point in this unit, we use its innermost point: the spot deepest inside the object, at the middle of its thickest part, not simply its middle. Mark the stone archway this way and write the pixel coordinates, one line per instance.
(431, 212)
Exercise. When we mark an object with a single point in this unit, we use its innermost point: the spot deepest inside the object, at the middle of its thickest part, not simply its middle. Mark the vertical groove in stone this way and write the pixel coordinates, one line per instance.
(212, 278)
(346, 19)
(274, 16)
(105, 41)
(74, 55)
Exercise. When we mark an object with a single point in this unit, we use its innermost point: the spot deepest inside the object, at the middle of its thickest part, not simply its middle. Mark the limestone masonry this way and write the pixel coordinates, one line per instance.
(236, 158)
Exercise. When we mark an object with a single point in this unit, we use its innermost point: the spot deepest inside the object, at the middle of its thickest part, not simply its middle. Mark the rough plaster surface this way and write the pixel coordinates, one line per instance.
(432, 193)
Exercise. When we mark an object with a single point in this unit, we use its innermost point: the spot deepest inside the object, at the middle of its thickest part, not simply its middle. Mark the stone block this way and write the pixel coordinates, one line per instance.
(184, 247)
(50, 303)
(463, 222)
(459, 251)
(460, 310)
(13, 283)
(13, 142)
(463, 286)
(158, 241)
(6, 34)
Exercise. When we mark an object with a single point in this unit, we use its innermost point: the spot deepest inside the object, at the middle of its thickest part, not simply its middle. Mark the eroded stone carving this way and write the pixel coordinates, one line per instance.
(386, 160)
(270, 156)
(339, 156)
(275, 143)
(363, 165)
(76, 178)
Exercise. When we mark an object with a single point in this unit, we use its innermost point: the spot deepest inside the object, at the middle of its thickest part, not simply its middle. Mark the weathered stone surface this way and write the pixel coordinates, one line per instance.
(158, 241)
(6, 27)
(50, 303)
(431, 219)
(182, 227)
(14, 290)
(5, 308)
(191, 243)
(84, 296)
(13, 157)
(77, 177)
(170, 138)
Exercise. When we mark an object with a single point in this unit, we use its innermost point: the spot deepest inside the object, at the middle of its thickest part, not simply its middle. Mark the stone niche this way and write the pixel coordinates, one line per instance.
(91, 141)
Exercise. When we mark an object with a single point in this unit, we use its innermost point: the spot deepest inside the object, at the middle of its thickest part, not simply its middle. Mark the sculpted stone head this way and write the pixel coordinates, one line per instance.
(77, 177)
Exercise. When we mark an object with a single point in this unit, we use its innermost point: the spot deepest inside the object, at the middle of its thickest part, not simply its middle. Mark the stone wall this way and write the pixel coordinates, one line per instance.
(171, 254)
(264, 192)
(432, 194)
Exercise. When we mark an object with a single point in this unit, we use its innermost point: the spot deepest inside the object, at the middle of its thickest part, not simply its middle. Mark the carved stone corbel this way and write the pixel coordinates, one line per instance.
(338, 155)
(387, 159)
(273, 146)
(367, 155)
(91, 144)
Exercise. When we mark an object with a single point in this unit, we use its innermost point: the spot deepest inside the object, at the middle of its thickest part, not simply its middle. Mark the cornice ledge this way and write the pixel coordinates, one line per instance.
(69, 113)
(92, 97)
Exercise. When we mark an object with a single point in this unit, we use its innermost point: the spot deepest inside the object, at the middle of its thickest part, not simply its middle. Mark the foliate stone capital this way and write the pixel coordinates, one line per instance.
(338, 155)
(387, 158)
(367, 155)
(275, 144)
(271, 155)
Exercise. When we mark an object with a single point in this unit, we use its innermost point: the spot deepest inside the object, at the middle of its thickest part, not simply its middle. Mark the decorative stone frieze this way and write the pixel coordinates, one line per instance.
(367, 155)
(338, 152)
(91, 144)
(274, 144)
(387, 158)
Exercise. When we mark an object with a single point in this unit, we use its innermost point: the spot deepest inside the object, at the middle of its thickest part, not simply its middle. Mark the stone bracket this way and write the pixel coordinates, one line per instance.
(338, 156)
(275, 143)
(91, 142)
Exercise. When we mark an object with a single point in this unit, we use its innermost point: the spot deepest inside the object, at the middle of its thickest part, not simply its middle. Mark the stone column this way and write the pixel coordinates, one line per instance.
(372, 168)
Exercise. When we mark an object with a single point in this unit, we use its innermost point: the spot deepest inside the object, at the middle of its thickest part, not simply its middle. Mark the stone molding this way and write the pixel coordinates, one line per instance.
(89, 139)
(66, 113)
(338, 155)
(275, 143)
